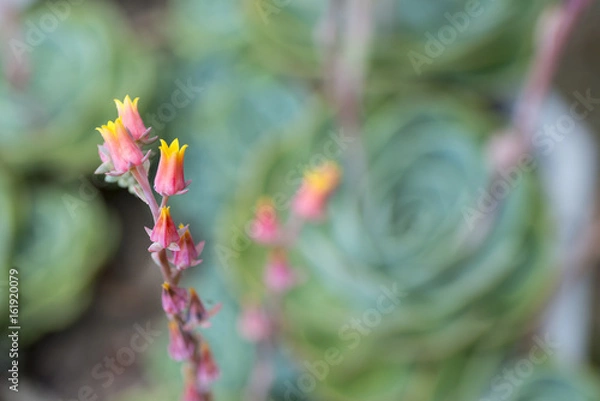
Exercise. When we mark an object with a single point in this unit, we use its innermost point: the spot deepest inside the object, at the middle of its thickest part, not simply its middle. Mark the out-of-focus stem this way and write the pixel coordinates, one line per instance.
(141, 176)
(558, 25)
(345, 51)
(165, 267)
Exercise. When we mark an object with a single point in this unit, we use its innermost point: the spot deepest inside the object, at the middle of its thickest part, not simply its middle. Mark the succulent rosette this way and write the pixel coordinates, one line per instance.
(422, 269)
(63, 65)
(457, 40)
(59, 240)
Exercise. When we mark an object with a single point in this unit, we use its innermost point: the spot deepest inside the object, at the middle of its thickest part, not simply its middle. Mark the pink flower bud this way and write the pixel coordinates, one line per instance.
(169, 175)
(128, 113)
(188, 253)
(254, 324)
(164, 235)
(317, 186)
(174, 299)
(265, 226)
(181, 343)
(198, 314)
(191, 392)
(207, 370)
(279, 275)
(124, 153)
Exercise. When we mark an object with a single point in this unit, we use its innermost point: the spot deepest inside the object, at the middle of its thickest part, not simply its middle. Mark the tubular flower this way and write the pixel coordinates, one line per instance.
(174, 299)
(187, 255)
(198, 314)
(317, 186)
(265, 226)
(279, 275)
(128, 113)
(181, 343)
(164, 234)
(207, 370)
(169, 176)
(120, 147)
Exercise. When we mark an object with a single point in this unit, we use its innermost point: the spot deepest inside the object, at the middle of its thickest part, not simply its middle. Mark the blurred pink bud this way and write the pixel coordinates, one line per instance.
(181, 343)
(191, 393)
(174, 299)
(188, 253)
(128, 112)
(254, 324)
(504, 150)
(198, 314)
(207, 370)
(279, 275)
(318, 185)
(164, 235)
(265, 226)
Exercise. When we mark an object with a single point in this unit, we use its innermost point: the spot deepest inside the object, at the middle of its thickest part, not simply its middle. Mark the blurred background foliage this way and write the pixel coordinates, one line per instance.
(244, 83)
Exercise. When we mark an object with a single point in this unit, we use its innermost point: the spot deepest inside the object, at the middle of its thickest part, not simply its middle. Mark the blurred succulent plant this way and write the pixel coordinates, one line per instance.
(458, 40)
(58, 60)
(402, 230)
(61, 241)
(199, 27)
(61, 61)
(545, 382)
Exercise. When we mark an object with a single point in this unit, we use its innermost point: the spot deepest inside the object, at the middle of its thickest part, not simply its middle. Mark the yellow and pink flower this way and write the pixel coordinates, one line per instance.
(164, 234)
(317, 186)
(170, 176)
(128, 113)
(119, 148)
(188, 253)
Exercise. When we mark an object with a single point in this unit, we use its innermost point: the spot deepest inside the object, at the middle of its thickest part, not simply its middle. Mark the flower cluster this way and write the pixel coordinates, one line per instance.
(172, 247)
(308, 204)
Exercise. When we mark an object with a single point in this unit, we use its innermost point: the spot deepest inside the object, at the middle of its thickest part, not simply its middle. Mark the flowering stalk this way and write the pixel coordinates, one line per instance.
(260, 323)
(173, 249)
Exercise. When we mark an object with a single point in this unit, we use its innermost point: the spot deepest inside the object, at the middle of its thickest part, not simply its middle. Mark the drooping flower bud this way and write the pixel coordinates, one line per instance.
(254, 324)
(128, 112)
(188, 253)
(198, 314)
(207, 370)
(181, 343)
(164, 234)
(317, 186)
(169, 175)
(279, 275)
(124, 153)
(265, 226)
(174, 299)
